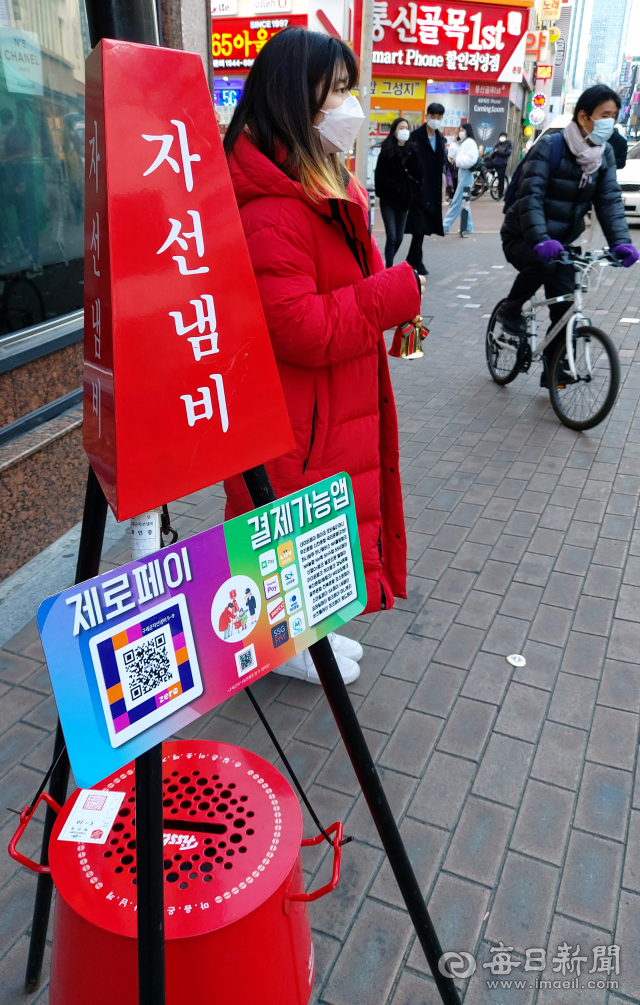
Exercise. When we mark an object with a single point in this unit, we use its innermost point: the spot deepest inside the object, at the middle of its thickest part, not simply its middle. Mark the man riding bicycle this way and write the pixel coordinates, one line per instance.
(550, 204)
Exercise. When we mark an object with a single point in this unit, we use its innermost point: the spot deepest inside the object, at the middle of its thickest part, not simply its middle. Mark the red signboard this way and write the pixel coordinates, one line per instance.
(180, 384)
(236, 41)
(468, 41)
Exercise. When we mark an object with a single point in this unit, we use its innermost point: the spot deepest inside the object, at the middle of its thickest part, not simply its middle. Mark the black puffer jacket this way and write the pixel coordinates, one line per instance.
(398, 175)
(554, 207)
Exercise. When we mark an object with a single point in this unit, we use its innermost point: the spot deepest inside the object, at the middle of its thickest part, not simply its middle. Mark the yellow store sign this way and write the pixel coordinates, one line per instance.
(391, 92)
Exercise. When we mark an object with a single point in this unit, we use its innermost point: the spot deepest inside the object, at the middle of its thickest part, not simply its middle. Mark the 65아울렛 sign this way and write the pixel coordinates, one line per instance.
(139, 652)
(177, 359)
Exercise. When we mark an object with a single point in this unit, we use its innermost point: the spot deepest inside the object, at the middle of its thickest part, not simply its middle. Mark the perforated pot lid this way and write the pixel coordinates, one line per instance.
(232, 831)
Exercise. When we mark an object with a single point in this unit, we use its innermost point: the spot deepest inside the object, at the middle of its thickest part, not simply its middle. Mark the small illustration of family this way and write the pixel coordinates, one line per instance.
(235, 619)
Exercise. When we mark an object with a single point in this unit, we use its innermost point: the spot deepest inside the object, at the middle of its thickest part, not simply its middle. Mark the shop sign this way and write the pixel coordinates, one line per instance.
(236, 43)
(21, 61)
(180, 383)
(141, 651)
(224, 8)
(528, 131)
(550, 10)
(469, 40)
(488, 116)
(544, 72)
(536, 42)
(389, 87)
(272, 6)
(539, 100)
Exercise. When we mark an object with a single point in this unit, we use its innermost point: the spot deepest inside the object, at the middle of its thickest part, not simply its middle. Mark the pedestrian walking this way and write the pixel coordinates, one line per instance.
(464, 154)
(398, 175)
(326, 296)
(555, 190)
(425, 209)
(498, 160)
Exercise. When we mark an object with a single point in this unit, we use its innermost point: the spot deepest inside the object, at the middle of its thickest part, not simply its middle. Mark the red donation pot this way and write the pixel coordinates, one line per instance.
(235, 935)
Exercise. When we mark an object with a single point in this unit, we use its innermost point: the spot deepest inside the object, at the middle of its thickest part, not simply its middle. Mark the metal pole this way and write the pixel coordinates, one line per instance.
(89, 551)
(136, 21)
(261, 492)
(346, 20)
(150, 877)
(364, 92)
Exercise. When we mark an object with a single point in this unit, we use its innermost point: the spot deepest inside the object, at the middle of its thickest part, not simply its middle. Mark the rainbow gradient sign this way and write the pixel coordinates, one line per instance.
(139, 652)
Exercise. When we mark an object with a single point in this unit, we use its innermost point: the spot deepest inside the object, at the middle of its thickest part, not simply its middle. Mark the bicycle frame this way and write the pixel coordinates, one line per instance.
(571, 317)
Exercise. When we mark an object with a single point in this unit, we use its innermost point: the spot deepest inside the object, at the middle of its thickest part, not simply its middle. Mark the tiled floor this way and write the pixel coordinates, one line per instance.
(515, 789)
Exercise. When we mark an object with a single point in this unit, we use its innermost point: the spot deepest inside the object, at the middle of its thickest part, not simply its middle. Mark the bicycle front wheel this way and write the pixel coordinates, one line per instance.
(585, 401)
(502, 350)
(494, 187)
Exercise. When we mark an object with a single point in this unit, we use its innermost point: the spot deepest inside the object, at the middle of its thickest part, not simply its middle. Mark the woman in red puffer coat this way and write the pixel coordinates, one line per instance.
(326, 298)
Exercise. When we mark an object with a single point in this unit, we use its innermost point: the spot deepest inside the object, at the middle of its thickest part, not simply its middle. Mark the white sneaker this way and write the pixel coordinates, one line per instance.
(301, 666)
(346, 647)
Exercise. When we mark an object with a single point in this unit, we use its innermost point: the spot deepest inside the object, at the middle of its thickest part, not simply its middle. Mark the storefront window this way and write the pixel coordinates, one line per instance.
(43, 44)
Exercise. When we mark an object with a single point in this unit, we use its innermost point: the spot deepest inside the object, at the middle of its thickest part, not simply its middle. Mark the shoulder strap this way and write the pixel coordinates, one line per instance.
(556, 150)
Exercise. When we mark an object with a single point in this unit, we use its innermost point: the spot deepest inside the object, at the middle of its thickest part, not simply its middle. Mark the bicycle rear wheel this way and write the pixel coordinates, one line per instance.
(586, 401)
(502, 350)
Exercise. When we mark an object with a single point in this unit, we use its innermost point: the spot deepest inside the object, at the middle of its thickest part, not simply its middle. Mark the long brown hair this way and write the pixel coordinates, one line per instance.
(286, 88)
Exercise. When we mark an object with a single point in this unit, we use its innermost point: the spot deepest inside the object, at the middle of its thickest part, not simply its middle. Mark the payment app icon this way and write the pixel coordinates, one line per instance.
(279, 635)
(268, 562)
(293, 600)
(289, 577)
(275, 610)
(271, 586)
(285, 552)
(296, 625)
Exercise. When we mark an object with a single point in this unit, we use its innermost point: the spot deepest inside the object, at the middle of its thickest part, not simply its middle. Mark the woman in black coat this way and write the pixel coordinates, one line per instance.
(551, 203)
(398, 175)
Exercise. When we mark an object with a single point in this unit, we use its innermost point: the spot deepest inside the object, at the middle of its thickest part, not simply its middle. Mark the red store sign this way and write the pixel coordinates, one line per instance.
(236, 41)
(473, 41)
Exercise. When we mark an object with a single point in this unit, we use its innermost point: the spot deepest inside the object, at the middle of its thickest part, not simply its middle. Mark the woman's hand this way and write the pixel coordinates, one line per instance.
(423, 284)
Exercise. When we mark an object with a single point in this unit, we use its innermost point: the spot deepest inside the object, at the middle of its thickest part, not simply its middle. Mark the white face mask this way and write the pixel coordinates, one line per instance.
(403, 135)
(434, 123)
(462, 136)
(340, 126)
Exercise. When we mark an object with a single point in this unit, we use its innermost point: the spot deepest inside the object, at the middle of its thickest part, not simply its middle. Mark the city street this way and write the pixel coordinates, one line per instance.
(516, 789)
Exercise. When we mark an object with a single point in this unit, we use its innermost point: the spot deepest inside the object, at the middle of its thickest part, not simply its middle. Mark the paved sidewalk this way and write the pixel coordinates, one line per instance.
(515, 789)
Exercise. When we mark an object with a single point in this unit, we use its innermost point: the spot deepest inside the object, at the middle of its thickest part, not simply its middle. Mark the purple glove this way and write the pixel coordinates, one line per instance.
(548, 250)
(627, 253)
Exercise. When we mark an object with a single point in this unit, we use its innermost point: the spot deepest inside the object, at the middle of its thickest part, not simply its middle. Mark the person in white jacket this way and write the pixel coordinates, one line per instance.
(464, 155)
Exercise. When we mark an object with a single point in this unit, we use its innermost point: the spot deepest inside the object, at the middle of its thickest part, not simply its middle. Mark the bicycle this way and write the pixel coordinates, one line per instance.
(485, 179)
(584, 371)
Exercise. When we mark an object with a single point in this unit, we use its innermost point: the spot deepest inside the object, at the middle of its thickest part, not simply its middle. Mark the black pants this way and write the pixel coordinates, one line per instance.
(558, 279)
(394, 223)
(414, 257)
(501, 170)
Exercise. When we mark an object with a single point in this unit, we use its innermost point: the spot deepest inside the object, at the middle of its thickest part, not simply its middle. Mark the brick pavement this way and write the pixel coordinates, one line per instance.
(516, 790)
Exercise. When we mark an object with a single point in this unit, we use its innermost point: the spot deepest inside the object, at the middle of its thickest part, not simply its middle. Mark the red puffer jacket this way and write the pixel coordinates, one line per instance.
(327, 299)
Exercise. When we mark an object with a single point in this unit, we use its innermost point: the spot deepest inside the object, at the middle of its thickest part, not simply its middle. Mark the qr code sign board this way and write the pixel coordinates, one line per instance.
(146, 668)
(246, 660)
(326, 568)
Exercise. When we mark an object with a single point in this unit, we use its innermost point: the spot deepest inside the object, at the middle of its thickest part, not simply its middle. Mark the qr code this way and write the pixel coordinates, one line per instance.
(147, 666)
(246, 660)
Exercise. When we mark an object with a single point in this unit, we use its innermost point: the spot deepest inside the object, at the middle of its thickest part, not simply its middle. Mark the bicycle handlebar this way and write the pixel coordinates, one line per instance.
(574, 255)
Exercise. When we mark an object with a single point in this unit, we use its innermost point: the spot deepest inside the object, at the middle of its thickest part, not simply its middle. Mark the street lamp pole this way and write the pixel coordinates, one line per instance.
(366, 51)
